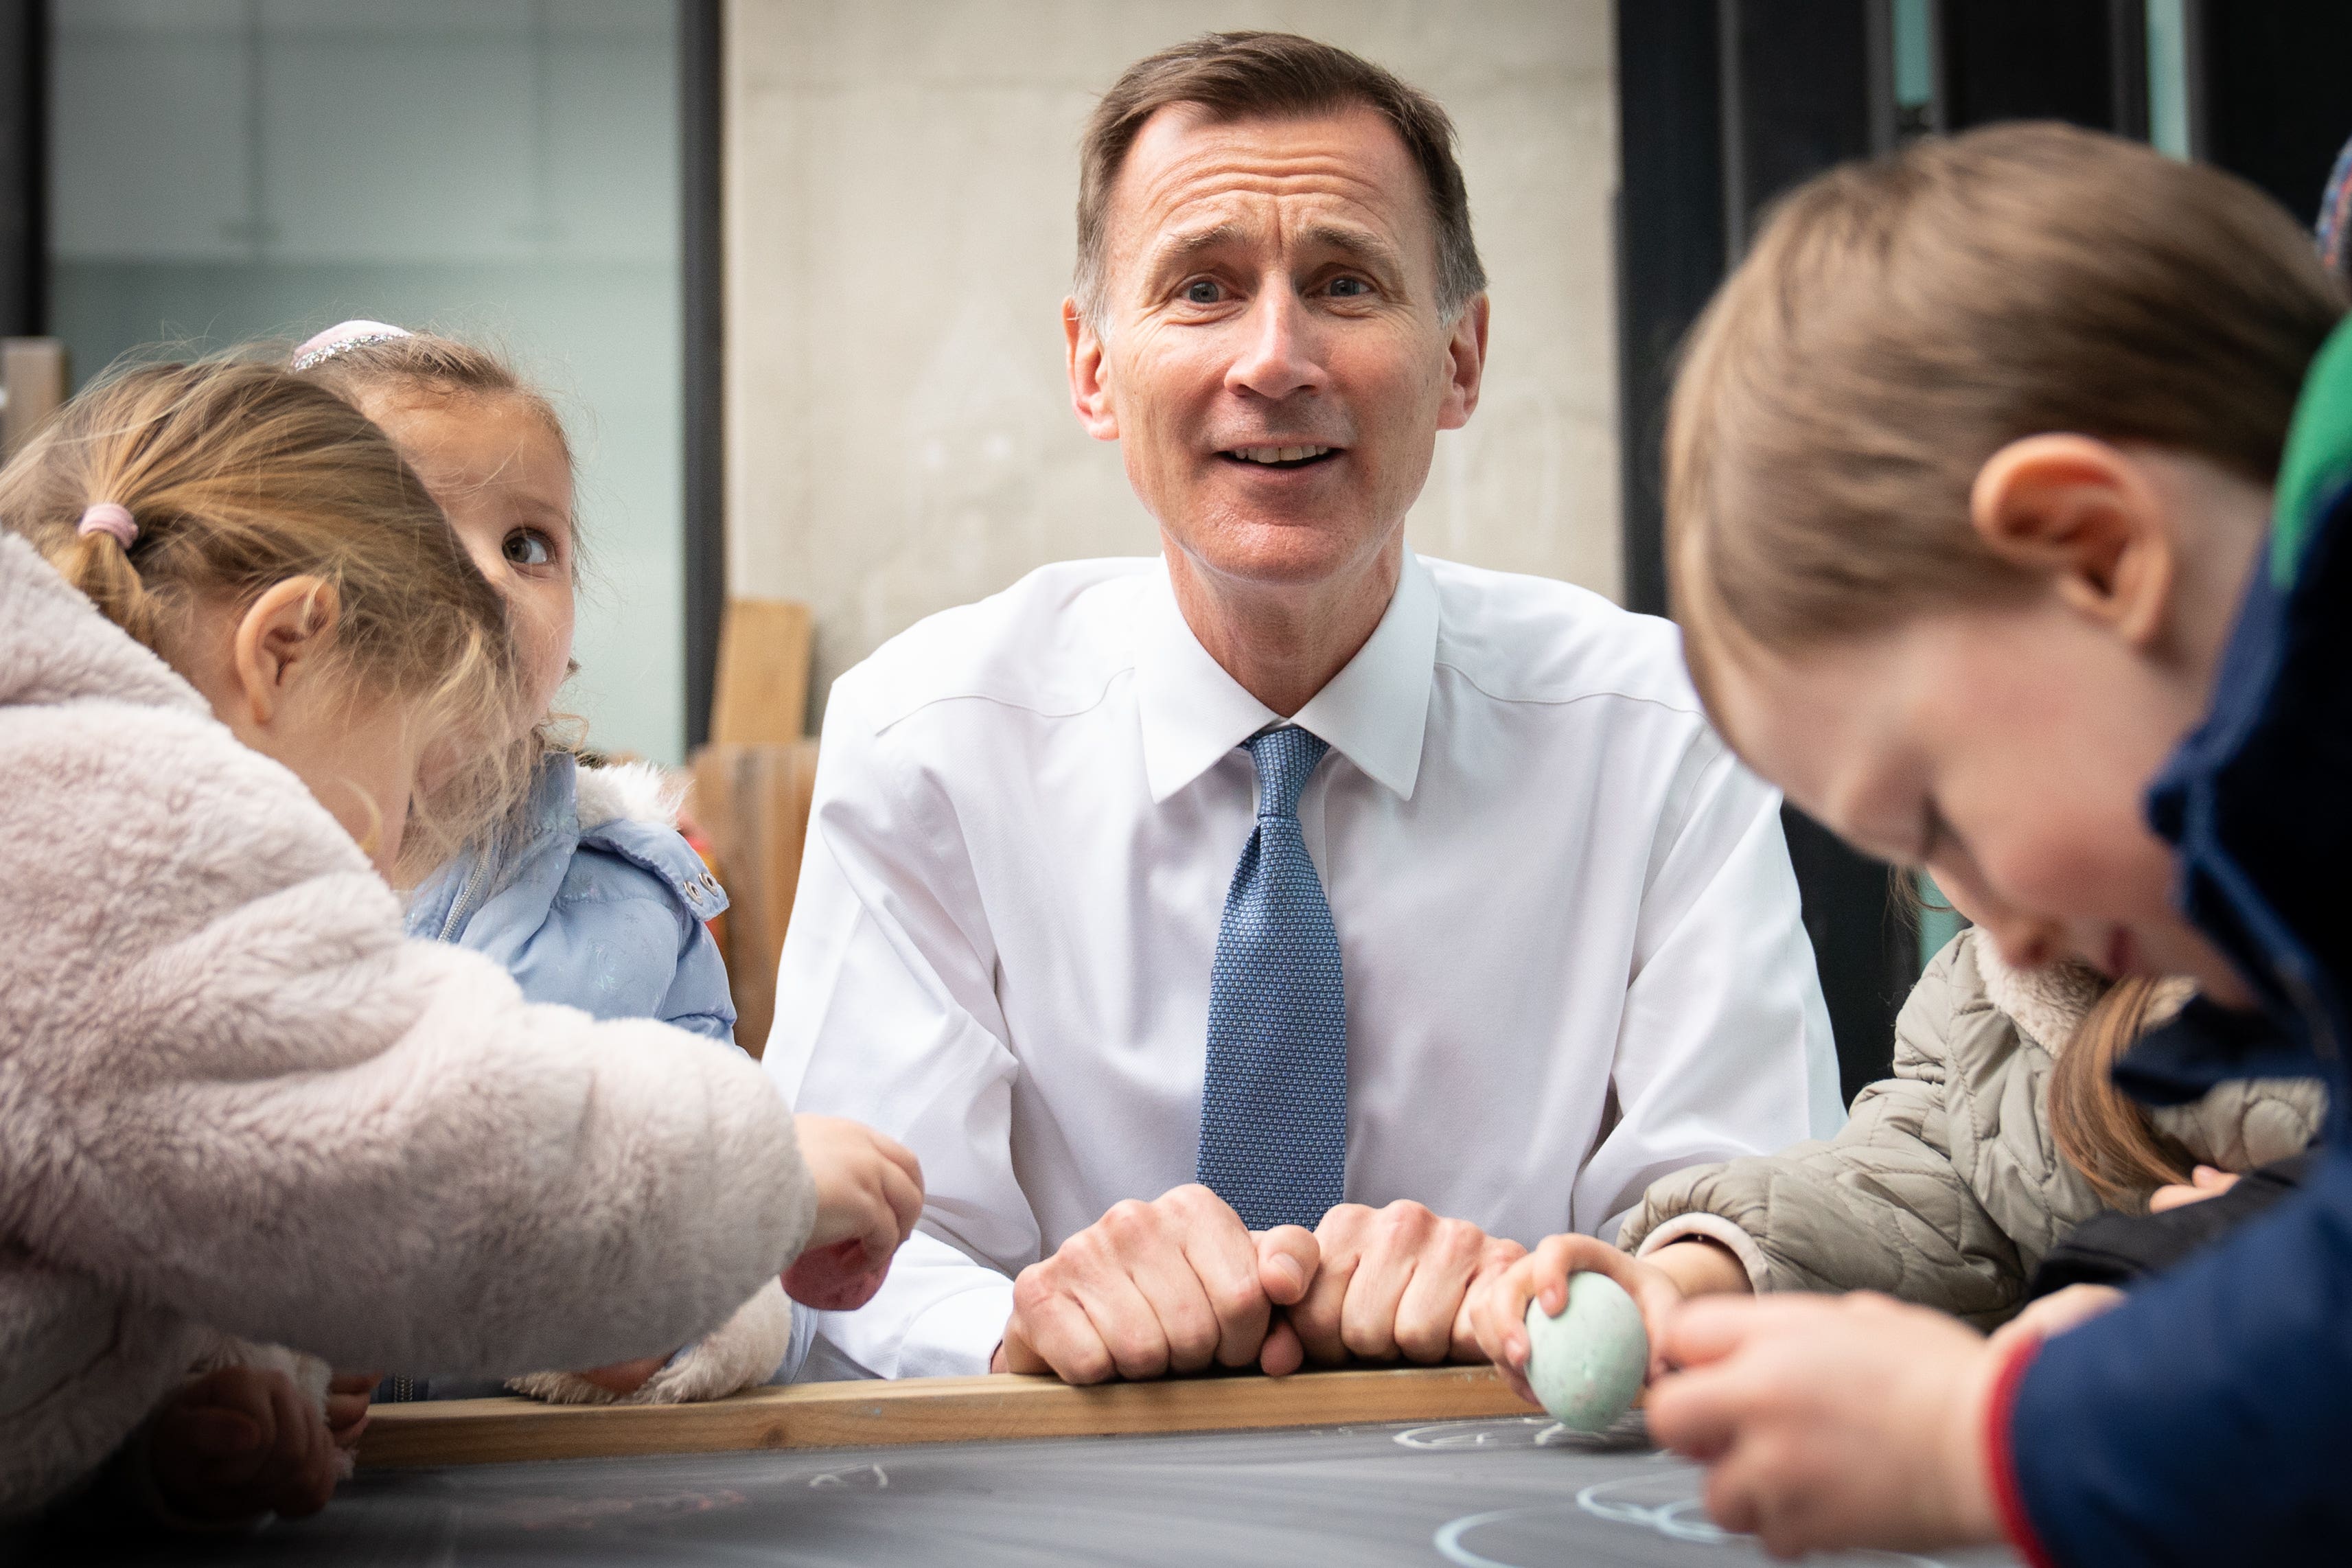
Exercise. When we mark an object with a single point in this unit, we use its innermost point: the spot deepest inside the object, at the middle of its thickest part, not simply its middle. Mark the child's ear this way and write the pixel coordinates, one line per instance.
(2084, 515)
(279, 641)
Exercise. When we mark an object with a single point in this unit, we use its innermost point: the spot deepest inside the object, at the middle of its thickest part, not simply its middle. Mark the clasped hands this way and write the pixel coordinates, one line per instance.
(1179, 1285)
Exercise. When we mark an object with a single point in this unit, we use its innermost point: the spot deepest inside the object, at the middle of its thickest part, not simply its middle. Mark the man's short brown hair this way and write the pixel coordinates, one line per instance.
(1241, 76)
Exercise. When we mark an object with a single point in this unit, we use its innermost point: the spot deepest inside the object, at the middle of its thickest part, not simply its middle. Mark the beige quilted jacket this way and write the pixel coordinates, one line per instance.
(1945, 1188)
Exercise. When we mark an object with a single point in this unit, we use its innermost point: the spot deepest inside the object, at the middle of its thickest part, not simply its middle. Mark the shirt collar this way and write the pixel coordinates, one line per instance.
(1374, 711)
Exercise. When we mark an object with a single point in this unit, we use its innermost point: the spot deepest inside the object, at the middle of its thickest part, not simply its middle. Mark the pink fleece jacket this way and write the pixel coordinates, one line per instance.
(236, 1104)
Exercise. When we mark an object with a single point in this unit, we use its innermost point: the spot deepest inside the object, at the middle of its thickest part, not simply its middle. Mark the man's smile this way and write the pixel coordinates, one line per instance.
(1297, 456)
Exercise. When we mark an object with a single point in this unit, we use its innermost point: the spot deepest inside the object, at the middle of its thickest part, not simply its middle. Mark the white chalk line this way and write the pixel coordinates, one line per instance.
(1485, 1433)
(855, 1478)
(1682, 1519)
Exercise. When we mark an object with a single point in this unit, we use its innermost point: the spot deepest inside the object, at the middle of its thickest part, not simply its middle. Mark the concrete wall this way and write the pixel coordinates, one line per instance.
(900, 184)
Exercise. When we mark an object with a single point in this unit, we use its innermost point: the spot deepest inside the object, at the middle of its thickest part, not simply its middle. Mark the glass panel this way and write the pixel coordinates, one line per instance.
(1938, 921)
(503, 169)
(1914, 67)
(2167, 76)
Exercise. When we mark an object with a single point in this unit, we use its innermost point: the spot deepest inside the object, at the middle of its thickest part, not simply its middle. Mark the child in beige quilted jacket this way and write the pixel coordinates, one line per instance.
(245, 674)
(1999, 1134)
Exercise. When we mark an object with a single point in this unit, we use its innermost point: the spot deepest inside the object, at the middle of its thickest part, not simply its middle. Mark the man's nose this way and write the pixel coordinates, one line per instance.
(1277, 357)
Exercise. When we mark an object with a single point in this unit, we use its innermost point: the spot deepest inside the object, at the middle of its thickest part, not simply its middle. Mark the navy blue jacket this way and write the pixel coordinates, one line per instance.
(2208, 1420)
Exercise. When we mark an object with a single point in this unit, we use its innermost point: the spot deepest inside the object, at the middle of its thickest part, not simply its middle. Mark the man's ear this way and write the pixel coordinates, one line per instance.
(2084, 514)
(1090, 392)
(279, 642)
(1466, 358)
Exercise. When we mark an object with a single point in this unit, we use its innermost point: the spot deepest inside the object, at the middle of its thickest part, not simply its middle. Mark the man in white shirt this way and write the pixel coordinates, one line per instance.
(1211, 925)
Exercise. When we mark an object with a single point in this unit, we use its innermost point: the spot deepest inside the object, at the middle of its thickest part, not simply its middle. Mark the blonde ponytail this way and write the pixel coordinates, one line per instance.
(236, 476)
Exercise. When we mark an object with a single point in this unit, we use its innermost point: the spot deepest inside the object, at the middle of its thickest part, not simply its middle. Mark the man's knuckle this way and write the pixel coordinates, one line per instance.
(1138, 1352)
(1405, 1218)
(1232, 1300)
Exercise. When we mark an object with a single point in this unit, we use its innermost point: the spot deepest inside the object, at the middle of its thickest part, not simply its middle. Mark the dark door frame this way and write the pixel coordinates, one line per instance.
(24, 168)
(702, 254)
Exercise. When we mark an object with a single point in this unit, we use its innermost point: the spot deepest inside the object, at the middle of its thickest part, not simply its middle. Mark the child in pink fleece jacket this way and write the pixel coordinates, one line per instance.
(245, 668)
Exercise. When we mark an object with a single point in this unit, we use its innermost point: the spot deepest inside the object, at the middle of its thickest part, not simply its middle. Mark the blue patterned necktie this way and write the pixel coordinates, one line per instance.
(1273, 1102)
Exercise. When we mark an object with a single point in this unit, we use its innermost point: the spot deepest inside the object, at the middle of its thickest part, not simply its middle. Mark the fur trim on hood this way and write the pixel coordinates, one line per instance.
(2050, 1003)
(639, 791)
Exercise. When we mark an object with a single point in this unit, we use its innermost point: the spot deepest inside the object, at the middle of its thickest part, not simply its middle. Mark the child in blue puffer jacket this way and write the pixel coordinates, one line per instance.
(2007, 475)
(587, 895)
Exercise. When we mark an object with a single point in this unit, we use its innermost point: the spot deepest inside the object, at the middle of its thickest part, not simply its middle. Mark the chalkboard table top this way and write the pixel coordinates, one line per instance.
(1477, 1491)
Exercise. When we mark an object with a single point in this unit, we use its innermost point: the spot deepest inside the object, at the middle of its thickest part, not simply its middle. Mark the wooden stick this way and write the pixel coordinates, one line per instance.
(922, 1410)
(760, 693)
(753, 804)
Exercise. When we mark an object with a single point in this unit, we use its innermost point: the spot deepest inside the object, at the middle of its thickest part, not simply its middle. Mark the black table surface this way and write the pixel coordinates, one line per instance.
(1515, 1492)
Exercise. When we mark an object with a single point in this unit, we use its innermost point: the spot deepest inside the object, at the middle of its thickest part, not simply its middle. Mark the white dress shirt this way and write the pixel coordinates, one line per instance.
(1567, 921)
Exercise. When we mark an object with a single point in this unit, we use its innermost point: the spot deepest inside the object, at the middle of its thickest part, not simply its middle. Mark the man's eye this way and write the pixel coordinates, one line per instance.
(1350, 287)
(1201, 291)
(525, 547)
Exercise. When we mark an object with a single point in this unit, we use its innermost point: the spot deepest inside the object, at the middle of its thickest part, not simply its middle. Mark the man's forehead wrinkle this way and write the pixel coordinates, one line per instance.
(1312, 231)
(1198, 179)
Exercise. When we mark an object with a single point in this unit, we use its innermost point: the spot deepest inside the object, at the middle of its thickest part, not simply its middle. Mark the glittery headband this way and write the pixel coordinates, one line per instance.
(343, 336)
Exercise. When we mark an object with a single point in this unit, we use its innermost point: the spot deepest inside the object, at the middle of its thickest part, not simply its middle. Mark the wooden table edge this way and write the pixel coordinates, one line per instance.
(922, 1410)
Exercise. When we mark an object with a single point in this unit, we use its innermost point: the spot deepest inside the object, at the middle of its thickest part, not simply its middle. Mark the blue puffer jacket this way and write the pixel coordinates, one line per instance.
(2210, 1419)
(600, 906)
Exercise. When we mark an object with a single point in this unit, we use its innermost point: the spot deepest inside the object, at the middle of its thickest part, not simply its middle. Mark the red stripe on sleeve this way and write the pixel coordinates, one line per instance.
(2000, 1461)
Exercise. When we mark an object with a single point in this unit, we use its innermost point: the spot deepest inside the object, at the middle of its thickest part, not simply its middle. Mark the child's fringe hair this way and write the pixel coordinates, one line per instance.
(240, 476)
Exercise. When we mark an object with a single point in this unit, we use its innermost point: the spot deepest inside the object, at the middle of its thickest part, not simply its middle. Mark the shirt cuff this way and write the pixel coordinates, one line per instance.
(2000, 1456)
(1715, 1229)
(957, 1337)
(953, 1336)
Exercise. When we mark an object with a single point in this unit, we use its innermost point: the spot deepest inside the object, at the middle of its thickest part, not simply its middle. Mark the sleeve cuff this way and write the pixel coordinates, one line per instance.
(957, 1335)
(742, 1353)
(1715, 1229)
(2000, 1457)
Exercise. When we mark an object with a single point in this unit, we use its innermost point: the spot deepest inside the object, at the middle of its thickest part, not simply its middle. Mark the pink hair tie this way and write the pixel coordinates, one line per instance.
(109, 516)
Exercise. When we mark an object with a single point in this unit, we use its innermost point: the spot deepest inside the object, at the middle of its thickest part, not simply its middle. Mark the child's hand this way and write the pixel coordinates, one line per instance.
(624, 1378)
(1833, 1423)
(869, 1192)
(348, 1394)
(2057, 1312)
(240, 1442)
(2203, 1182)
(1498, 1308)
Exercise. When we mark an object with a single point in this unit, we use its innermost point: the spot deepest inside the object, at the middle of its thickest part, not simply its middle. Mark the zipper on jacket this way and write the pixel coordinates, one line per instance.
(461, 908)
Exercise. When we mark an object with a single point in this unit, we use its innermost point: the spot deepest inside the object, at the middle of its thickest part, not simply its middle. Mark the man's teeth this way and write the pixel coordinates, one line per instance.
(1277, 454)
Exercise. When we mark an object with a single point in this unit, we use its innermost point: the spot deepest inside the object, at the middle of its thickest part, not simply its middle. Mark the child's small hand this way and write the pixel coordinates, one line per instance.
(869, 1192)
(2057, 1312)
(348, 1394)
(1831, 1423)
(2203, 1182)
(624, 1378)
(240, 1442)
(1498, 1306)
